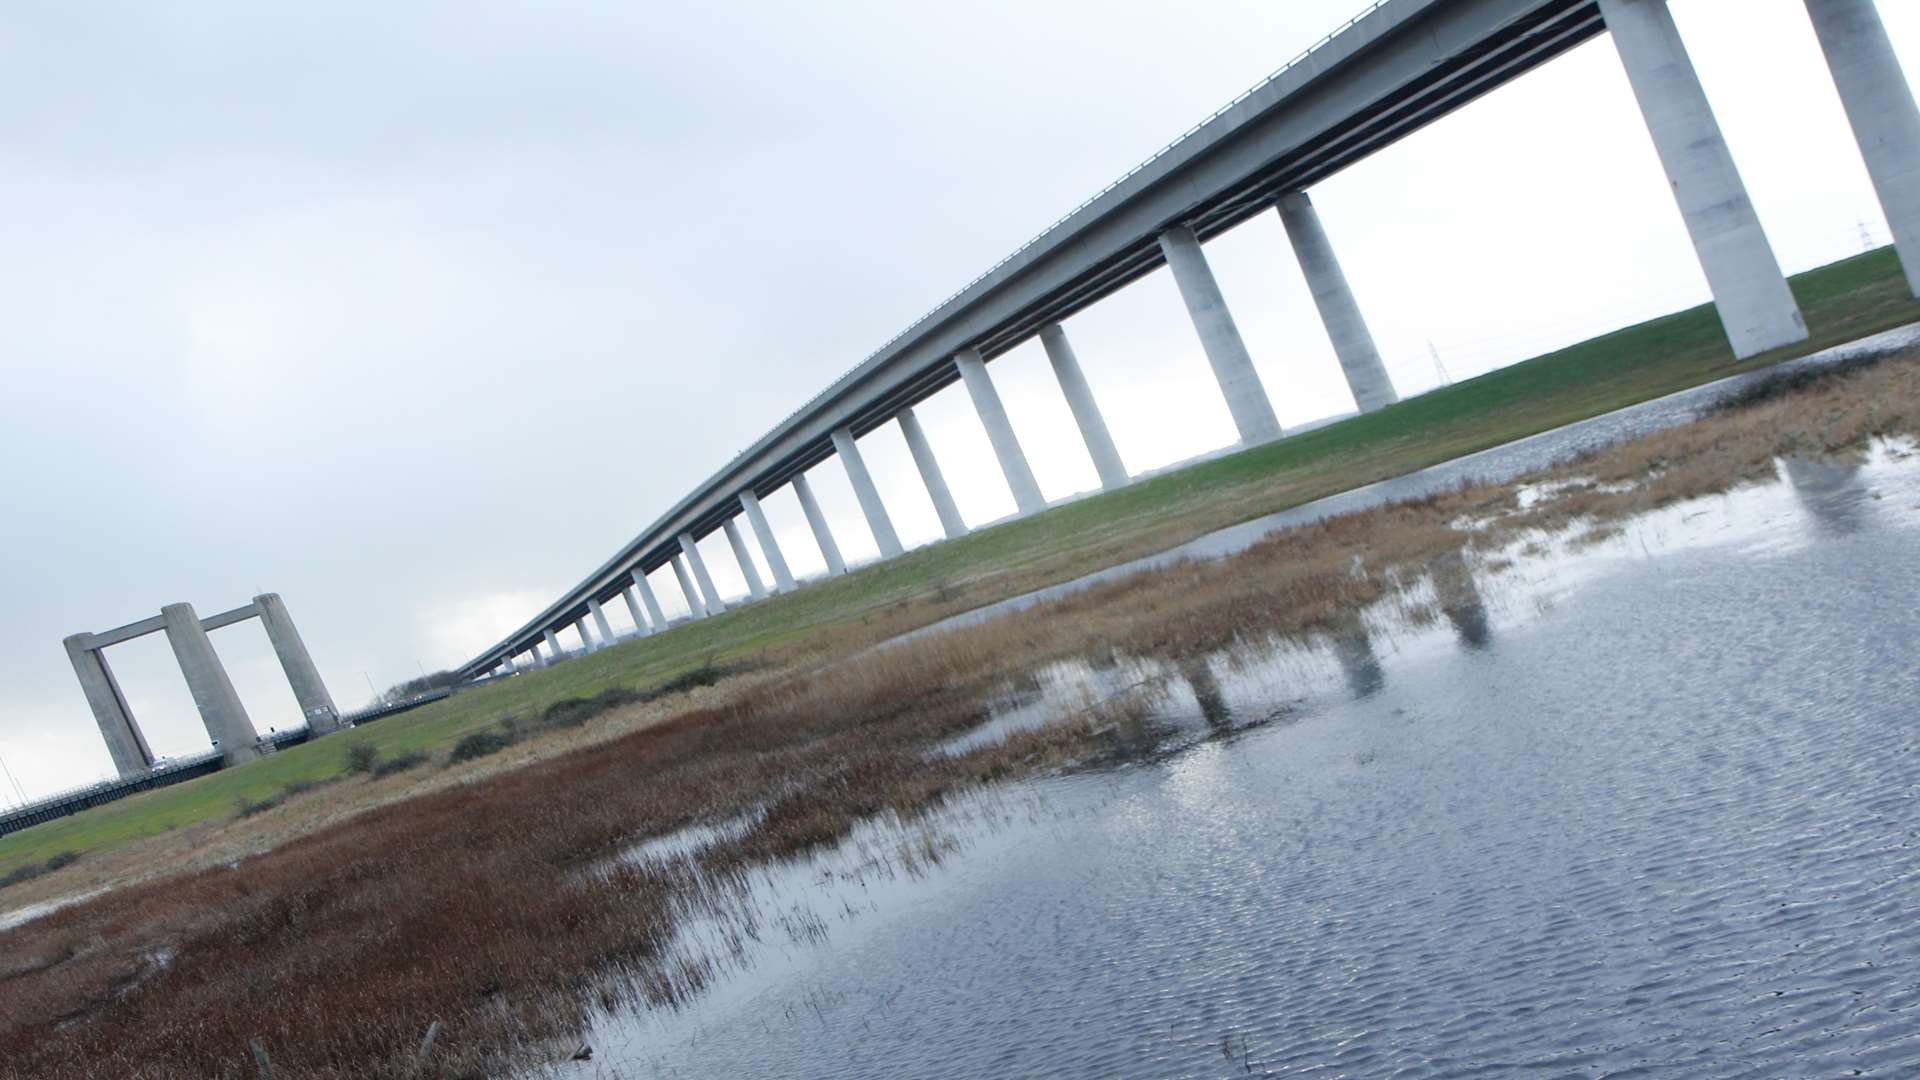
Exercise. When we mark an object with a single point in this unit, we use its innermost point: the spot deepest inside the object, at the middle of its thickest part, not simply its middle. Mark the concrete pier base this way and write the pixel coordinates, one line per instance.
(1880, 107)
(745, 558)
(125, 744)
(1227, 354)
(884, 537)
(316, 704)
(817, 521)
(1755, 304)
(213, 694)
(1086, 412)
(948, 511)
(1006, 446)
(1352, 342)
(770, 547)
(640, 625)
(654, 612)
(600, 623)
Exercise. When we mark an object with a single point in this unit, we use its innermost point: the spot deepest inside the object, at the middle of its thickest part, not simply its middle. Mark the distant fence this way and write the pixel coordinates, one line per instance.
(73, 800)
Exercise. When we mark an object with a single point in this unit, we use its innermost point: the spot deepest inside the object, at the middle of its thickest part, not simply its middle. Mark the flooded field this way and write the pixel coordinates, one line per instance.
(1634, 803)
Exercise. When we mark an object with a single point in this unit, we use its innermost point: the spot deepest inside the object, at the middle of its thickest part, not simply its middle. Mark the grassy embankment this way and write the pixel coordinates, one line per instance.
(1843, 301)
(492, 907)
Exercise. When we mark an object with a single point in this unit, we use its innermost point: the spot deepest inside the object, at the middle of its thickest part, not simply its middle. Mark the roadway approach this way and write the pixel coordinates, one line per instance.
(1396, 67)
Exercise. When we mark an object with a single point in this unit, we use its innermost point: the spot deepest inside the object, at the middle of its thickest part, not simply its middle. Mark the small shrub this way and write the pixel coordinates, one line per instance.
(412, 759)
(244, 807)
(33, 870)
(362, 758)
(479, 745)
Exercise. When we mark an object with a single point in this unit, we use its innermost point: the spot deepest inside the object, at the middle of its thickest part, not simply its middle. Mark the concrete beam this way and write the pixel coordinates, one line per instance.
(316, 704)
(228, 618)
(740, 555)
(654, 612)
(1352, 342)
(863, 489)
(1880, 107)
(600, 623)
(1086, 412)
(126, 633)
(1006, 446)
(757, 517)
(125, 744)
(822, 535)
(213, 694)
(1755, 304)
(943, 505)
(640, 624)
(1227, 354)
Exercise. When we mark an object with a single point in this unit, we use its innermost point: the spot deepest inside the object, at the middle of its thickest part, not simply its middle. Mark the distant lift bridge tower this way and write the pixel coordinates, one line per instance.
(213, 694)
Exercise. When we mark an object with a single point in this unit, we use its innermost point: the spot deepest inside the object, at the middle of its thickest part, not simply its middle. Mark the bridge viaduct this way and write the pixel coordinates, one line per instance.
(1397, 67)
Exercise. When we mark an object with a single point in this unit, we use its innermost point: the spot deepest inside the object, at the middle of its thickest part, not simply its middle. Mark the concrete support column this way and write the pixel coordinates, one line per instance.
(993, 417)
(640, 626)
(745, 558)
(1756, 307)
(1339, 312)
(125, 744)
(695, 605)
(818, 521)
(213, 694)
(511, 666)
(950, 520)
(1881, 109)
(308, 688)
(600, 623)
(1086, 412)
(782, 576)
(1219, 338)
(869, 496)
(586, 639)
(553, 646)
(658, 616)
(715, 605)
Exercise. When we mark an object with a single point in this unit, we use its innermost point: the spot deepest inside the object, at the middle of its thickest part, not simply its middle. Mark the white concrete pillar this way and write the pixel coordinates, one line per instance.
(950, 520)
(745, 558)
(757, 517)
(600, 623)
(553, 646)
(510, 666)
(822, 535)
(640, 626)
(1232, 365)
(213, 694)
(1756, 306)
(125, 744)
(658, 616)
(696, 606)
(715, 605)
(586, 639)
(1086, 412)
(1352, 342)
(869, 496)
(316, 704)
(1881, 109)
(993, 417)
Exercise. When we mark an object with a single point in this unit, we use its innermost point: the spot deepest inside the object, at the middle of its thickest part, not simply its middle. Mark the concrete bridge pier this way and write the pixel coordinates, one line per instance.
(640, 625)
(316, 704)
(740, 555)
(951, 522)
(586, 639)
(125, 744)
(1086, 412)
(763, 532)
(869, 495)
(1006, 445)
(1755, 304)
(708, 593)
(213, 694)
(553, 646)
(1880, 107)
(600, 622)
(1352, 342)
(1227, 354)
(816, 520)
(510, 666)
(654, 613)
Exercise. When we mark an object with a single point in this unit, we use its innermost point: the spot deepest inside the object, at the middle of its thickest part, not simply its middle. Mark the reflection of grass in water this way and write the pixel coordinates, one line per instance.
(469, 905)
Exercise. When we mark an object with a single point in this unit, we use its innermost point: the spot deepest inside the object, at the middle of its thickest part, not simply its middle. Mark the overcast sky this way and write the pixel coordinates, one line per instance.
(414, 313)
